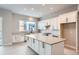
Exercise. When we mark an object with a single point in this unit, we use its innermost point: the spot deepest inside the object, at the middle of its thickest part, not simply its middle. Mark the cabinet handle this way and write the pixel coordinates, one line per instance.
(33, 40)
(43, 44)
(66, 19)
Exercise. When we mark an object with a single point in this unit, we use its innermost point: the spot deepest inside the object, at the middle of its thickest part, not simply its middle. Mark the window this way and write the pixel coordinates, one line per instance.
(30, 26)
(27, 26)
(21, 25)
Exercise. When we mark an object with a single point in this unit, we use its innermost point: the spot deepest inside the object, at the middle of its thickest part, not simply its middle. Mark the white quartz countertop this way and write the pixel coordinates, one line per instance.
(46, 39)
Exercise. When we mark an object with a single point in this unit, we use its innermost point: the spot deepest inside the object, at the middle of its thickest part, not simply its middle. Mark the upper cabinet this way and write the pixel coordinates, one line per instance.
(68, 17)
(62, 18)
(72, 16)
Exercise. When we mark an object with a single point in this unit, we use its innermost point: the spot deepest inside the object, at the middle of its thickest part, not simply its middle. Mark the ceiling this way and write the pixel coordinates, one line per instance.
(35, 10)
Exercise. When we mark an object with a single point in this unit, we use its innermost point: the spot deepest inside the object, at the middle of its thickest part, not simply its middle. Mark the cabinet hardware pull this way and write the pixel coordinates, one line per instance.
(66, 19)
(33, 40)
(43, 44)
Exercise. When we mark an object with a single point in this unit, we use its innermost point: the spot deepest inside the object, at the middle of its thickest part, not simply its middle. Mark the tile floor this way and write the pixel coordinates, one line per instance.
(22, 49)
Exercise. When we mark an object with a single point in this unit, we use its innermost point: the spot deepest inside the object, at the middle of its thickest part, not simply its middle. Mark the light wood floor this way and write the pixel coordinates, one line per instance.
(22, 49)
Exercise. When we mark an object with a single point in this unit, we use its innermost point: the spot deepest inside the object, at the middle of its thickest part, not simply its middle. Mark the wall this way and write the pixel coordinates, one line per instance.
(16, 18)
(10, 24)
(7, 26)
(15, 26)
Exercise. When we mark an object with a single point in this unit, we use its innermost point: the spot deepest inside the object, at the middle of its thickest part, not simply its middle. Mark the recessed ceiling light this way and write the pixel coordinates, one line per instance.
(25, 9)
(51, 8)
(32, 8)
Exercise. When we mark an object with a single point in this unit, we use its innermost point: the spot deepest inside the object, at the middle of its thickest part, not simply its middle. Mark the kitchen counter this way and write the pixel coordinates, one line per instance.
(45, 45)
(46, 39)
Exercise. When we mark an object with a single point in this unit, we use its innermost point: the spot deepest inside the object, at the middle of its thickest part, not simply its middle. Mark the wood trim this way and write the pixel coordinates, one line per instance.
(70, 47)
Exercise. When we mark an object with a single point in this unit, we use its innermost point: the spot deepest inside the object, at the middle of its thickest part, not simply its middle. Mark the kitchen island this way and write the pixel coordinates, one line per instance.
(46, 45)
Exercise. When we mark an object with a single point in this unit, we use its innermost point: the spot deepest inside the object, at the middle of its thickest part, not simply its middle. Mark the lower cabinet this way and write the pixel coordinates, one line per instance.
(48, 49)
(44, 48)
(18, 38)
(41, 48)
(58, 49)
(33, 43)
(29, 42)
(36, 46)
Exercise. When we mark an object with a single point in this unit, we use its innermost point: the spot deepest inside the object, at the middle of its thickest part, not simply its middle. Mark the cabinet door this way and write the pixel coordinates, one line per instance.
(62, 18)
(33, 43)
(58, 49)
(29, 42)
(14, 38)
(42, 48)
(48, 49)
(72, 16)
(21, 38)
(36, 46)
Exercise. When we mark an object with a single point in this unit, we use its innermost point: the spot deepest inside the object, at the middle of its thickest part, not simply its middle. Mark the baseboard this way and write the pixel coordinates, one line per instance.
(71, 47)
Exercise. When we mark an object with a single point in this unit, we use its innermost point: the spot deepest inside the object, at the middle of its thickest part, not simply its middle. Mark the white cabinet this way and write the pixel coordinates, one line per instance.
(36, 46)
(62, 18)
(42, 48)
(72, 16)
(45, 49)
(18, 38)
(29, 42)
(48, 49)
(68, 17)
(33, 43)
(58, 49)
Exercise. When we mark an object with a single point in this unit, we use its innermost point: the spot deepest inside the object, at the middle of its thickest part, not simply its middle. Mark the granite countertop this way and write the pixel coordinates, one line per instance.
(46, 39)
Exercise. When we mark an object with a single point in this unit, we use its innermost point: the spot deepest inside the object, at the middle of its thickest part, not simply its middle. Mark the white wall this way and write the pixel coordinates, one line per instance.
(16, 18)
(7, 26)
(15, 25)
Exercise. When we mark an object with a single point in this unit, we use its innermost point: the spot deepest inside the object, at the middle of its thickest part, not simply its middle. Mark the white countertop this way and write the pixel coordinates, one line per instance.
(46, 39)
